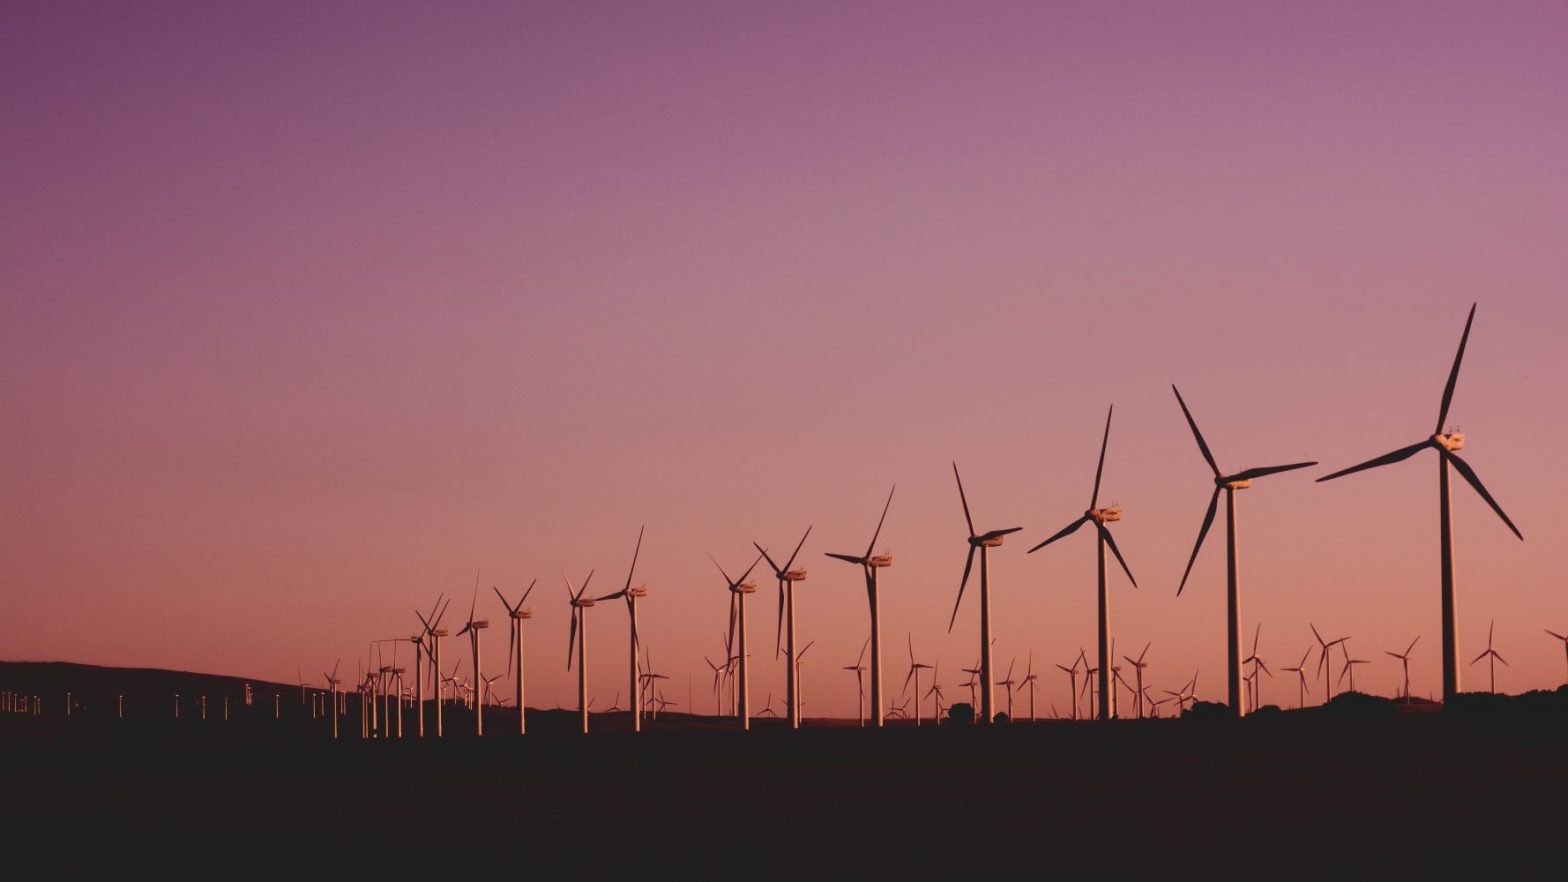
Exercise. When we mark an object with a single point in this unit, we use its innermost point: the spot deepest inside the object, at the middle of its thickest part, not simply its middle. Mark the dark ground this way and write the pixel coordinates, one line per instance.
(1356, 791)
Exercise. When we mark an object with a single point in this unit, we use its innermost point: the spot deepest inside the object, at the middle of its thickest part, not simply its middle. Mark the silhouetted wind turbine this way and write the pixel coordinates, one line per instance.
(1565, 644)
(914, 674)
(869, 564)
(799, 662)
(983, 542)
(1072, 678)
(739, 588)
(1229, 484)
(434, 632)
(1350, 668)
(787, 577)
(1100, 517)
(1447, 446)
(332, 686)
(1138, 665)
(1028, 683)
(516, 615)
(1300, 671)
(578, 635)
(1323, 666)
(936, 691)
(859, 667)
(422, 645)
(1404, 661)
(1258, 666)
(472, 629)
(1009, 682)
(630, 595)
(1493, 656)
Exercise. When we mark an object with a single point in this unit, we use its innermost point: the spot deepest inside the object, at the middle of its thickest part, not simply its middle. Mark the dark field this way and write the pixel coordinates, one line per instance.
(1346, 792)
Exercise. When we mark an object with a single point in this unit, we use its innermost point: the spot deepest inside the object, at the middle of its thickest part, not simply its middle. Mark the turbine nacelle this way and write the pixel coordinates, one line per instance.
(1243, 484)
(583, 602)
(1107, 515)
(880, 560)
(523, 614)
(1452, 442)
(745, 588)
(438, 632)
(795, 576)
(639, 591)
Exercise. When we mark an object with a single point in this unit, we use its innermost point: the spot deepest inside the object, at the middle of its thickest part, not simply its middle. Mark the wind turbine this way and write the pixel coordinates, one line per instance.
(1323, 666)
(332, 686)
(1028, 683)
(630, 595)
(799, 662)
(434, 632)
(739, 588)
(1072, 678)
(859, 667)
(936, 691)
(982, 542)
(1447, 446)
(1491, 654)
(1009, 682)
(869, 564)
(1258, 666)
(1404, 661)
(1229, 484)
(1100, 517)
(718, 686)
(787, 576)
(914, 674)
(580, 606)
(472, 629)
(1350, 668)
(1563, 639)
(1138, 665)
(1300, 670)
(516, 615)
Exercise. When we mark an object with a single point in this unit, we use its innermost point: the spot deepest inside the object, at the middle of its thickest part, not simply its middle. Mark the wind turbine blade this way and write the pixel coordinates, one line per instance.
(750, 568)
(503, 598)
(963, 499)
(1111, 541)
(1203, 447)
(863, 647)
(1094, 497)
(1499, 657)
(1412, 644)
(1555, 634)
(1065, 531)
(727, 579)
(637, 551)
(571, 640)
(845, 557)
(1264, 471)
(530, 590)
(1479, 657)
(774, 566)
(968, 564)
(1453, 373)
(511, 644)
(1208, 521)
(729, 638)
(1470, 477)
(873, 545)
(796, 553)
(1255, 635)
(1401, 454)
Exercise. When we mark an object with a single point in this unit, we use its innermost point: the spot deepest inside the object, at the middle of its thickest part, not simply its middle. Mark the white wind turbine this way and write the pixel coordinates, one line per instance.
(738, 589)
(516, 615)
(630, 595)
(472, 629)
(869, 564)
(982, 542)
(1491, 654)
(579, 629)
(787, 576)
(433, 633)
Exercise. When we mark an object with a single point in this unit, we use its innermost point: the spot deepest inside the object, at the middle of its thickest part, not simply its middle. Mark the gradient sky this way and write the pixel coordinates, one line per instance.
(309, 310)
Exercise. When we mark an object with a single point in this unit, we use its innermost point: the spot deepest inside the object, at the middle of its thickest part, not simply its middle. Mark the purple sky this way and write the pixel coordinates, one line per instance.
(311, 309)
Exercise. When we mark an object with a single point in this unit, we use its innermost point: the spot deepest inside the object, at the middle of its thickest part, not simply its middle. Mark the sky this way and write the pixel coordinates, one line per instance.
(308, 312)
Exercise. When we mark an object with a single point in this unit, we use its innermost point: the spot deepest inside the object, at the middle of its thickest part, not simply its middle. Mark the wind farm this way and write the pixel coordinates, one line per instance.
(320, 316)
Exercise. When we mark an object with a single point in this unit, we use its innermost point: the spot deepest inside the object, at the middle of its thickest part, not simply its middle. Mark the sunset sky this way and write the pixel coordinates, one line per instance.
(312, 310)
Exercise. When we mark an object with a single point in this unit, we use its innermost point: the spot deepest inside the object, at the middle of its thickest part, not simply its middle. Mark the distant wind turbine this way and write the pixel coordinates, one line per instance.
(869, 564)
(516, 614)
(1447, 444)
(914, 674)
(1404, 661)
(578, 635)
(1100, 517)
(738, 589)
(630, 595)
(787, 576)
(1323, 666)
(472, 629)
(1300, 670)
(1565, 644)
(859, 667)
(1493, 656)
